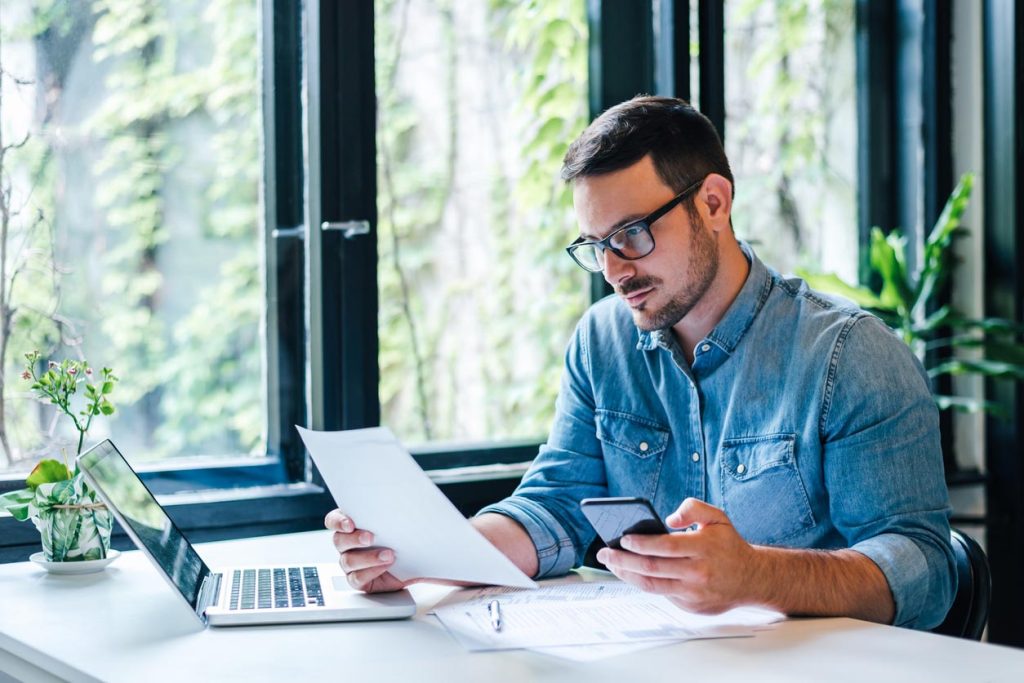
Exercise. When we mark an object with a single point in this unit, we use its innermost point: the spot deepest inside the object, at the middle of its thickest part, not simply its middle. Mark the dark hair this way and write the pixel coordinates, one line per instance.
(682, 142)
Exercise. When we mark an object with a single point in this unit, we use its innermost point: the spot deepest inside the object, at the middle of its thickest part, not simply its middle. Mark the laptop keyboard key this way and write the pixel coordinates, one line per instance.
(280, 588)
(248, 589)
(313, 593)
(236, 580)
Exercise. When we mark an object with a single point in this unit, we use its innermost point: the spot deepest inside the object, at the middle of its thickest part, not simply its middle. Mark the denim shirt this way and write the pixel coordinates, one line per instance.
(806, 419)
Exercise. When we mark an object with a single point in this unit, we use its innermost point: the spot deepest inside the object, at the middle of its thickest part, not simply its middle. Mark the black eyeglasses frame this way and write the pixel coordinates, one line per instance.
(646, 222)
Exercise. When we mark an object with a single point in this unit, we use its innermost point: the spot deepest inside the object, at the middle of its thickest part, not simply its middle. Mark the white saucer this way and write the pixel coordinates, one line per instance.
(83, 567)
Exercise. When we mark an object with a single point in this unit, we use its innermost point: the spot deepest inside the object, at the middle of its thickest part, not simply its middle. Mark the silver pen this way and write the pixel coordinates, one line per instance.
(494, 611)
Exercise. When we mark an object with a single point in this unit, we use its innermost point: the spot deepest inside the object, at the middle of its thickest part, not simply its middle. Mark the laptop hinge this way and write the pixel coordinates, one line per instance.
(209, 593)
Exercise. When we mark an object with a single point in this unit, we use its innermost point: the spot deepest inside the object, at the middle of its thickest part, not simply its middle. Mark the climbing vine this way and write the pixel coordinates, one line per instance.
(477, 298)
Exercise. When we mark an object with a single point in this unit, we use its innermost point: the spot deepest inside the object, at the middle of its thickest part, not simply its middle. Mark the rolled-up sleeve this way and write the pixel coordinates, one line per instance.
(568, 468)
(884, 472)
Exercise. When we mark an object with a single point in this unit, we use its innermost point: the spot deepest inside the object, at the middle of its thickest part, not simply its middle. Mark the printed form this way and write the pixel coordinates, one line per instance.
(584, 614)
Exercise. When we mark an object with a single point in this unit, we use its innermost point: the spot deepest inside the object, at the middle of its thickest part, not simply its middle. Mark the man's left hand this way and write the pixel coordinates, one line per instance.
(708, 570)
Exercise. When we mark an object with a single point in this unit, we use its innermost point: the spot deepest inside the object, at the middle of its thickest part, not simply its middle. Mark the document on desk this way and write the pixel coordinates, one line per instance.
(602, 613)
(374, 480)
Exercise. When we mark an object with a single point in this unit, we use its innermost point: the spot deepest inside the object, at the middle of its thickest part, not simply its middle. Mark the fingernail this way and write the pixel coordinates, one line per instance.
(385, 556)
(626, 542)
(602, 555)
(347, 526)
(364, 538)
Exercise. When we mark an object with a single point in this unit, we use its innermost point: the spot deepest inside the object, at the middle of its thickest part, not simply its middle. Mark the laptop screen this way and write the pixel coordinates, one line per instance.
(143, 519)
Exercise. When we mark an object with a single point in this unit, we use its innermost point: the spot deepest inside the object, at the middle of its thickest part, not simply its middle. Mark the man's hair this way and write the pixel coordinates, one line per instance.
(682, 142)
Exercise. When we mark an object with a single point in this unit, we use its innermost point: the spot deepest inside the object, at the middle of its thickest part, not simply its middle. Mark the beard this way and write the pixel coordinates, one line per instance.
(701, 272)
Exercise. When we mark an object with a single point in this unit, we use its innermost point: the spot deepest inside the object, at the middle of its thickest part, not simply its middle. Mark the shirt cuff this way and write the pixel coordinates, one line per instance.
(556, 554)
(905, 567)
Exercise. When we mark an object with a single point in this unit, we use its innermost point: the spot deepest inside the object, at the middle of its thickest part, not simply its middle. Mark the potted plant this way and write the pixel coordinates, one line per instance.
(74, 525)
(907, 302)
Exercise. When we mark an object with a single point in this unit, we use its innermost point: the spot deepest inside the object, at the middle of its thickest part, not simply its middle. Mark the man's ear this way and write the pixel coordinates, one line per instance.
(716, 196)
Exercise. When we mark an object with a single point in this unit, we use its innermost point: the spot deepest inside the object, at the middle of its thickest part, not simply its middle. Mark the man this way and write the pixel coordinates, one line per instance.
(797, 433)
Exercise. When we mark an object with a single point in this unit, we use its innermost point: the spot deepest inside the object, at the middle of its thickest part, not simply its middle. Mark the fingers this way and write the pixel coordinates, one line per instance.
(693, 511)
(649, 584)
(336, 520)
(358, 560)
(647, 565)
(364, 569)
(677, 545)
(360, 538)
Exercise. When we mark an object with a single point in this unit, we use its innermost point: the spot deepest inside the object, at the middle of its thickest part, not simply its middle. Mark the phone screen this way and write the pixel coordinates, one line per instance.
(613, 518)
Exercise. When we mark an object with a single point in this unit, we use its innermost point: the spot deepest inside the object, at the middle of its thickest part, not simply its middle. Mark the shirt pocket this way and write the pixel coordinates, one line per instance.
(633, 448)
(763, 492)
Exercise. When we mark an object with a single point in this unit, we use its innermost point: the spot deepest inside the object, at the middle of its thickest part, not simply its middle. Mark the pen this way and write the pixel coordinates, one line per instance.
(494, 611)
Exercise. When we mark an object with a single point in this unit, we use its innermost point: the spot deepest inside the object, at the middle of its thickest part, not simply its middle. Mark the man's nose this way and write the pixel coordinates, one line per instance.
(617, 269)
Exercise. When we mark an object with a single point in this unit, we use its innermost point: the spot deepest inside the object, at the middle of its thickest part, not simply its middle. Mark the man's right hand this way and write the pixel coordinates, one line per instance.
(365, 566)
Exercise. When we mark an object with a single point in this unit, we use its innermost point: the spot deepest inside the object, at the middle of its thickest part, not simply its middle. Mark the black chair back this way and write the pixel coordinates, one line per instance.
(969, 613)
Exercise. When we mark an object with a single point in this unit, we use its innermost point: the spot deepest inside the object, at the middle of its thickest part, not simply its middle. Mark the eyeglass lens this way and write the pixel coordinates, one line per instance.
(632, 242)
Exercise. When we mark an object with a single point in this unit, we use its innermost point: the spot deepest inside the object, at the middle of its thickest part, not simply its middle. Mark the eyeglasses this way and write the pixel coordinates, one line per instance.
(630, 242)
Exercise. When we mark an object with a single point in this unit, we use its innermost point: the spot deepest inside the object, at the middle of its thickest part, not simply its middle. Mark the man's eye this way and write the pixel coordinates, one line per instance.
(633, 230)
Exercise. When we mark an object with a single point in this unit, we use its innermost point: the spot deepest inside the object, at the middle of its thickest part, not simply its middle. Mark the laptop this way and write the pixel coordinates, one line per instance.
(283, 593)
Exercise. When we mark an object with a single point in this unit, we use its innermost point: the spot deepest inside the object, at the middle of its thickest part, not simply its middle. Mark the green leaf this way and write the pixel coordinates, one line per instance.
(16, 503)
(988, 368)
(833, 284)
(940, 317)
(970, 405)
(937, 257)
(107, 408)
(888, 260)
(46, 472)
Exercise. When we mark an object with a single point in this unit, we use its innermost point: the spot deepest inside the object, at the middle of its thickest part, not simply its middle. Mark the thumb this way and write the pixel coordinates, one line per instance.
(693, 511)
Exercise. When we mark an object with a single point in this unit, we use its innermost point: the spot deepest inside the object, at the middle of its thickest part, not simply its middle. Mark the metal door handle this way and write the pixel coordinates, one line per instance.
(349, 229)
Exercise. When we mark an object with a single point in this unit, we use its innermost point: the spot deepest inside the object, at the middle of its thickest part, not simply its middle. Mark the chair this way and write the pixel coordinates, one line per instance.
(969, 613)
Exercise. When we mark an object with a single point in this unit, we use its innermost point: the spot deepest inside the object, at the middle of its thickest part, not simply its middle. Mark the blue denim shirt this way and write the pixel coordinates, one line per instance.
(806, 419)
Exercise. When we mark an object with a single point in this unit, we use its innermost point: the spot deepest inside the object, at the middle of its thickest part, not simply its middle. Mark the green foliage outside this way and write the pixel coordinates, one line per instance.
(525, 224)
(179, 117)
(795, 165)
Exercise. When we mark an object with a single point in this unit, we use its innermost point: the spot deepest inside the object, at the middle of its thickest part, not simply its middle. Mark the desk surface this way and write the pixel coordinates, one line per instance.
(125, 624)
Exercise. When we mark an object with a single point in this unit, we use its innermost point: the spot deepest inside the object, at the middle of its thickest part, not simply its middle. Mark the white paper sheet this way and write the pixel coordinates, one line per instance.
(584, 614)
(375, 481)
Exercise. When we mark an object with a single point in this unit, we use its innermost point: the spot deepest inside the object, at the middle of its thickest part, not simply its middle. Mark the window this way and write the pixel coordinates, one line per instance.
(131, 153)
(790, 108)
(476, 107)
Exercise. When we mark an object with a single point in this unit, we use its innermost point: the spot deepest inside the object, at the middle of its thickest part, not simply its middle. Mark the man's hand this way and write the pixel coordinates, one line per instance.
(706, 571)
(713, 569)
(365, 566)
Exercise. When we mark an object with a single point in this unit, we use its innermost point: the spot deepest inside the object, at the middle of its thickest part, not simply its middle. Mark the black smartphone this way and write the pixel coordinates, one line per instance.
(613, 518)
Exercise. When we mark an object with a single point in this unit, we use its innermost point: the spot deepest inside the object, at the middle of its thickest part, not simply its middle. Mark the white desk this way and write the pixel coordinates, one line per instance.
(124, 624)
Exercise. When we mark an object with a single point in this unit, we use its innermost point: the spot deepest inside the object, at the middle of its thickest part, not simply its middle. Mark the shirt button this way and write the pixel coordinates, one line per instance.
(706, 348)
(643, 446)
(741, 468)
(695, 456)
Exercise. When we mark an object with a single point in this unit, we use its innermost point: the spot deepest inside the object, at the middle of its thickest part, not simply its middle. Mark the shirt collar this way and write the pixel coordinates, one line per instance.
(738, 317)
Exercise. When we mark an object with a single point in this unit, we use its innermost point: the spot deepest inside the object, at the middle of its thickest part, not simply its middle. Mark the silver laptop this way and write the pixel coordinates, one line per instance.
(229, 596)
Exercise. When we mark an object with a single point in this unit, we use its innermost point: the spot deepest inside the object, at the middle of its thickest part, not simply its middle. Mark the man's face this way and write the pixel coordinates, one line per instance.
(662, 287)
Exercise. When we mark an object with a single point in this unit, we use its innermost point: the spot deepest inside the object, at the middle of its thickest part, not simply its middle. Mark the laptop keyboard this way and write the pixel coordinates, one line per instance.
(275, 588)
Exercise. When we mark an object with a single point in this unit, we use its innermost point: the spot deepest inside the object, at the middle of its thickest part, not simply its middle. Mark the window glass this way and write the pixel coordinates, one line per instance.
(791, 137)
(477, 103)
(131, 170)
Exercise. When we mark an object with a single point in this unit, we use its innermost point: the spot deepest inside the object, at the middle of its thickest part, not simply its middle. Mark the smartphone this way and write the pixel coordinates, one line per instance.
(613, 518)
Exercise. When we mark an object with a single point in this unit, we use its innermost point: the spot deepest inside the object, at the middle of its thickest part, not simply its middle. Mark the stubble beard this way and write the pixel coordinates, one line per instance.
(701, 273)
